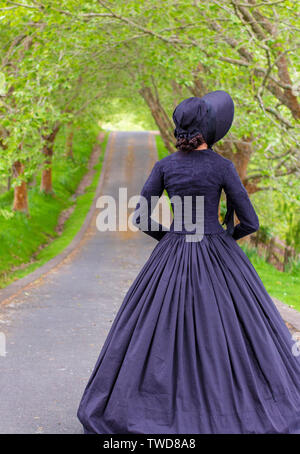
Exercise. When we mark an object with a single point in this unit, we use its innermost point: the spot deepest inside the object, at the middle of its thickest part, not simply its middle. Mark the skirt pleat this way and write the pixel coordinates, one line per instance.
(197, 346)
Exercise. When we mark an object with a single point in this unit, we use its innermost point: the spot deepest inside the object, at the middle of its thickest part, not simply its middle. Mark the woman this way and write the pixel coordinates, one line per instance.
(198, 345)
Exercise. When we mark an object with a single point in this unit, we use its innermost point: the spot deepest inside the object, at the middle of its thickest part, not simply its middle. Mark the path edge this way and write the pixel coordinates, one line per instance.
(16, 286)
(288, 313)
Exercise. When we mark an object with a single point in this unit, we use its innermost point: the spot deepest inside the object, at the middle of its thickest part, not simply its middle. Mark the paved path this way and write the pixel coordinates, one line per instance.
(55, 329)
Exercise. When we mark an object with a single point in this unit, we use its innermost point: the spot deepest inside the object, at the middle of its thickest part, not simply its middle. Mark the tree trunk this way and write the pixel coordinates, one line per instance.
(270, 250)
(20, 192)
(46, 181)
(256, 239)
(287, 255)
(161, 118)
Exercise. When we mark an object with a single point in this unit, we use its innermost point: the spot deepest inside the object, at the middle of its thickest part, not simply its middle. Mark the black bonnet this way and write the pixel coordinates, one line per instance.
(212, 116)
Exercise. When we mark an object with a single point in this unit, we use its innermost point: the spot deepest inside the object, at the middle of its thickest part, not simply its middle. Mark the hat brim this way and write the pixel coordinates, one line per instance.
(221, 108)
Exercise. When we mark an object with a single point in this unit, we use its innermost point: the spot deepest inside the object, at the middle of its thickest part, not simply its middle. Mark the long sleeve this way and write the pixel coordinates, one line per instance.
(238, 200)
(153, 186)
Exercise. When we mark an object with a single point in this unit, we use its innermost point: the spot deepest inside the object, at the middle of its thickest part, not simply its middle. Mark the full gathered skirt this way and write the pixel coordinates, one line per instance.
(197, 346)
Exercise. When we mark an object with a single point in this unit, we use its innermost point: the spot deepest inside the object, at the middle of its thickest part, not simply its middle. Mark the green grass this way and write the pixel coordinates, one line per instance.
(21, 236)
(283, 286)
(161, 149)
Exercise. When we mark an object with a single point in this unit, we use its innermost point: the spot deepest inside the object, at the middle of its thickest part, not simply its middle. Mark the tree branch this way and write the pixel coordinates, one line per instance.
(140, 27)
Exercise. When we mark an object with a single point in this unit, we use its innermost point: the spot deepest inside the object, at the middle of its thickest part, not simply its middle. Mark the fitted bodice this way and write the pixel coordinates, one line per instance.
(188, 176)
(197, 173)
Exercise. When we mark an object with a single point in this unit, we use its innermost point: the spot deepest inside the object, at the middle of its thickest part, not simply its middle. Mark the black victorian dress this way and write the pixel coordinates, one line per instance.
(197, 345)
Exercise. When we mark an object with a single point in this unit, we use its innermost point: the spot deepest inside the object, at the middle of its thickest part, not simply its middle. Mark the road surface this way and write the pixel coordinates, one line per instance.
(54, 330)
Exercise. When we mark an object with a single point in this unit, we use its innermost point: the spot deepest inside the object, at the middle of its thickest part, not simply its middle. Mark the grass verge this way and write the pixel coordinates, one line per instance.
(24, 237)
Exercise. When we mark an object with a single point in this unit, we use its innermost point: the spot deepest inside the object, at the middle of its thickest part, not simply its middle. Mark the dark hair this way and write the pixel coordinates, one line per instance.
(187, 145)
